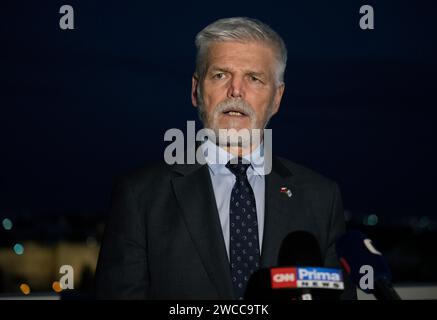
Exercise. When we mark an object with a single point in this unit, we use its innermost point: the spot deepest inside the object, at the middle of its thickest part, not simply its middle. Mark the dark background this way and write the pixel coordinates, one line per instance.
(78, 107)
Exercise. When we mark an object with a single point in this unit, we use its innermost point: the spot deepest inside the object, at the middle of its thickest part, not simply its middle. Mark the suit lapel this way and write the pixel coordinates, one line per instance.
(195, 196)
(283, 214)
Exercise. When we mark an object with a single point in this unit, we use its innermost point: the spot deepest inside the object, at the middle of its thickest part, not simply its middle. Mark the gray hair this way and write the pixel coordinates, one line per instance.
(240, 29)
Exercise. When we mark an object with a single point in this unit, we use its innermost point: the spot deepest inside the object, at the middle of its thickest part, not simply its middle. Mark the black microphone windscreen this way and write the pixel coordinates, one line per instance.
(300, 248)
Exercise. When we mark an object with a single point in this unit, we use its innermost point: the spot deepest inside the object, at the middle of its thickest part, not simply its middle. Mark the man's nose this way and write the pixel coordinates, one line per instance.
(236, 89)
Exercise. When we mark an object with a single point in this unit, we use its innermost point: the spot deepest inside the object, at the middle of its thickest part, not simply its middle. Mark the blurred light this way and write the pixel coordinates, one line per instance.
(19, 249)
(56, 286)
(372, 220)
(423, 223)
(91, 242)
(7, 224)
(25, 288)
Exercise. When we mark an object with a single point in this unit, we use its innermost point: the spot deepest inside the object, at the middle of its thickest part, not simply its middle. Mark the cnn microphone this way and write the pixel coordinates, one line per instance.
(357, 254)
(300, 248)
(298, 276)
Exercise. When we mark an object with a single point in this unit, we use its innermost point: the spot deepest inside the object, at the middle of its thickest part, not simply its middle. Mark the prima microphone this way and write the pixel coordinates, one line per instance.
(299, 274)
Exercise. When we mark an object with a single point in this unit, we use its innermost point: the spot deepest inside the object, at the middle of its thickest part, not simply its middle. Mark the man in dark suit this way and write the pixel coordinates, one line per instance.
(198, 231)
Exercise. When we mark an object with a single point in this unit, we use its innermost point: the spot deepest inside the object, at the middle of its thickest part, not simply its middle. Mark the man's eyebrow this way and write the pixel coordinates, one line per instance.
(225, 69)
(256, 73)
(218, 68)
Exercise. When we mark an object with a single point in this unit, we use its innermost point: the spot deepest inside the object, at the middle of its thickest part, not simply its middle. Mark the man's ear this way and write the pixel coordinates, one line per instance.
(194, 84)
(278, 97)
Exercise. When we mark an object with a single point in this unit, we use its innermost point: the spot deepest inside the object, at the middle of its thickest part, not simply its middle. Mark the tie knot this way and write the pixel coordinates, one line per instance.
(238, 169)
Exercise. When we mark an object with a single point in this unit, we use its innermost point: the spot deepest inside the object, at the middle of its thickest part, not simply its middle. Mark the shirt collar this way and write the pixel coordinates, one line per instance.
(217, 158)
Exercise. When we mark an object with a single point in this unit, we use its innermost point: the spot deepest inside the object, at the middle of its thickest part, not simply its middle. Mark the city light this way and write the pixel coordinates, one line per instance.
(56, 286)
(423, 223)
(18, 249)
(7, 224)
(25, 289)
(372, 220)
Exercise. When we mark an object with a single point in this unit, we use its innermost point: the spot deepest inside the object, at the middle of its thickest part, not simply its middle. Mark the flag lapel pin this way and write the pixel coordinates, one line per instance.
(286, 191)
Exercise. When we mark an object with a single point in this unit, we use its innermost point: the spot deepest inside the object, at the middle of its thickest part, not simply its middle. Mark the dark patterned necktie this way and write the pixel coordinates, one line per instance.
(244, 243)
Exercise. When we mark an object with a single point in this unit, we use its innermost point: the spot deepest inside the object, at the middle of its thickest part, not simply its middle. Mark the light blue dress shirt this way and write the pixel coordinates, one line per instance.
(223, 181)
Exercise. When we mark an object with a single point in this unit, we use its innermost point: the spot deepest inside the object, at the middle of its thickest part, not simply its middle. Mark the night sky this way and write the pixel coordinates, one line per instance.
(78, 107)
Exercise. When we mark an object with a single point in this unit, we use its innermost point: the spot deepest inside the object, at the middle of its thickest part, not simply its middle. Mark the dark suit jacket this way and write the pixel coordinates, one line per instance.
(163, 238)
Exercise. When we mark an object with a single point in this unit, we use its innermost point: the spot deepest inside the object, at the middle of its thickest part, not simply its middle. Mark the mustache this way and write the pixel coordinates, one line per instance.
(237, 105)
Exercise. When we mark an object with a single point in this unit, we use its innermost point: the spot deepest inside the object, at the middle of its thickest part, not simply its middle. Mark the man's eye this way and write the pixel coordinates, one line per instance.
(254, 79)
(219, 76)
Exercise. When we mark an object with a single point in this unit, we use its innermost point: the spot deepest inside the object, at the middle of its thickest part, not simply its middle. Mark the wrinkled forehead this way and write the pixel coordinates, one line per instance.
(254, 56)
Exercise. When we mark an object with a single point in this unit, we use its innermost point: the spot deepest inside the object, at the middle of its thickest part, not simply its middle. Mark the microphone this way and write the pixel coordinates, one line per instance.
(358, 256)
(300, 248)
(298, 276)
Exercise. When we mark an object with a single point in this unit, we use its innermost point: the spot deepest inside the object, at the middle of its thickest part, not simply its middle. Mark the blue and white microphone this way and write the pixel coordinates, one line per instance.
(359, 256)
